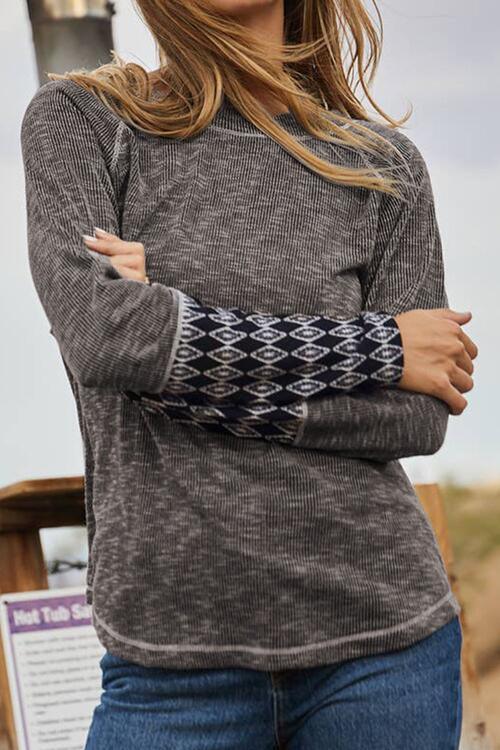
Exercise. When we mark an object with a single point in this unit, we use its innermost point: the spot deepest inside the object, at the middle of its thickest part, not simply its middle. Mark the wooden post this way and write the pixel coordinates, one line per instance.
(474, 735)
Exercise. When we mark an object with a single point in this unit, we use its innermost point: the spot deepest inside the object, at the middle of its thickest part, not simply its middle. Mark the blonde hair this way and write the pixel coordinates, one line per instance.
(205, 55)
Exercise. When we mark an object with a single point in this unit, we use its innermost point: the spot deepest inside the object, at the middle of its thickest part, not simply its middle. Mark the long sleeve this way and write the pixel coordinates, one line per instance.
(250, 373)
(406, 273)
(118, 333)
(112, 332)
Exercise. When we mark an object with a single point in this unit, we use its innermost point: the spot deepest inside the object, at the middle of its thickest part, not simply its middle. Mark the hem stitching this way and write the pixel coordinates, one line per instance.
(270, 651)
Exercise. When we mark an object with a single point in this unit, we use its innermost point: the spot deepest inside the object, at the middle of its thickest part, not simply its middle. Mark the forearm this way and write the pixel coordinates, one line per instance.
(382, 425)
(228, 358)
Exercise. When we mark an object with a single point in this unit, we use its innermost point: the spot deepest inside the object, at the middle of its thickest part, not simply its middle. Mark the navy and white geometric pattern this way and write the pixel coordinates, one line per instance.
(249, 373)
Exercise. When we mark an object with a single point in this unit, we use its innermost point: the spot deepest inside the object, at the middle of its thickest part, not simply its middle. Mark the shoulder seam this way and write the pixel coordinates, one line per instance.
(116, 122)
(95, 102)
(122, 128)
(121, 125)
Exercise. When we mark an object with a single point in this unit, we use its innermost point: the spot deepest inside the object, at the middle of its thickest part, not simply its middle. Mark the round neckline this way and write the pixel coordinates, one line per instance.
(228, 117)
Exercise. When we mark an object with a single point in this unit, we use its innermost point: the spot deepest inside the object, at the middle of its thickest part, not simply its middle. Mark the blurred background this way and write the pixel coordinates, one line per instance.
(443, 58)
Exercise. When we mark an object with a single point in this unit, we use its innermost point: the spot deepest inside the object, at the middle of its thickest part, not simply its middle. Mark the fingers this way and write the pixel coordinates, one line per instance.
(127, 266)
(458, 317)
(113, 245)
(461, 318)
(128, 260)
(456, 402)
(130, 273)
(127, 257)
(470, 346)
(101, 233)
(464, 362)
(461, 380)
(463, 359)
(106, 247)
(109, 246)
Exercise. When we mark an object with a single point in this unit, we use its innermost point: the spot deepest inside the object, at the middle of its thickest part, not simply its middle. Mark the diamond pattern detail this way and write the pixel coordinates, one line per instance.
(386, 353)
(269, 354)
(191, 333)
(184, 353)
(263, 389)
(349, 363)
(232, 383)
(227, 354)
(307, 334)
(181, 371)
(260, 320)
(310, 370)
(268, 335)
(267, 372)
(227, 335)
(219, 390)
(223, 372)
(381, 334)
(306, 388)
(224, 317)
(311, 352)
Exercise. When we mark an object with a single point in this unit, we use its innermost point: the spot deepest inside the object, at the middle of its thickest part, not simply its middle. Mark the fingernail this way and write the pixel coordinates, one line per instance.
(98, 230)
(89, 238)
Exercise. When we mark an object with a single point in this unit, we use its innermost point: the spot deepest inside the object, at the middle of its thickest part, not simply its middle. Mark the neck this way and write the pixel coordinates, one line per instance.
(266, 21)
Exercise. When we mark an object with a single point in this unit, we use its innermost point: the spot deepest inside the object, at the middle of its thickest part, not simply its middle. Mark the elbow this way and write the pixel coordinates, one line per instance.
(89, 378)
(88, 362)
(421, 431)
(106, 363)
(88, 373)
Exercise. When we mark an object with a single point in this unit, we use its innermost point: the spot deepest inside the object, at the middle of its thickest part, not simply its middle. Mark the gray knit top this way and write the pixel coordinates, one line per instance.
(240, 417)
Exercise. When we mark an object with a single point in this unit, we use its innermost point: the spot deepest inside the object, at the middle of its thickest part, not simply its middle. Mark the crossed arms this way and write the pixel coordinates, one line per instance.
(121, 334)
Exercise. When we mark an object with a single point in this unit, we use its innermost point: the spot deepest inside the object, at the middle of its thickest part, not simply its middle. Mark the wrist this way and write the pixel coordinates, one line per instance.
(382, 347)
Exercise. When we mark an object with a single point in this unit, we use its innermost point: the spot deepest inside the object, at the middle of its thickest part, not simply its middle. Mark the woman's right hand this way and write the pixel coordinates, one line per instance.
(438, 355)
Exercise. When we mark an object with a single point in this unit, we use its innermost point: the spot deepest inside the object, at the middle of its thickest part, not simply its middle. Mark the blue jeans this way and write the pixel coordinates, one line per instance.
(410, 699)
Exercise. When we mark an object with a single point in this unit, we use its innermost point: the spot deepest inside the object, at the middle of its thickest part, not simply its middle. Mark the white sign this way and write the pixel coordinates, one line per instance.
(52, 654)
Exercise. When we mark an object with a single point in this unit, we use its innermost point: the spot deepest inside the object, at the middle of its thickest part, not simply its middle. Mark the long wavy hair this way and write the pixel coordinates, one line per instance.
(205, 55)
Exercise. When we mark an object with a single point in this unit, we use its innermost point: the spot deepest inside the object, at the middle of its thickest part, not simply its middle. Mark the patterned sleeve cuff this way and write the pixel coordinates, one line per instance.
(229, 359)
(228, 354)
(384, 327)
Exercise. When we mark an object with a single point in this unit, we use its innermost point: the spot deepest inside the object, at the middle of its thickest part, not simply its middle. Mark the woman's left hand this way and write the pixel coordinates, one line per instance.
(128, 258)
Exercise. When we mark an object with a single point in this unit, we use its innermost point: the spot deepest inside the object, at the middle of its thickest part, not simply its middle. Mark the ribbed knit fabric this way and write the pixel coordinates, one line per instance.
(206, 549)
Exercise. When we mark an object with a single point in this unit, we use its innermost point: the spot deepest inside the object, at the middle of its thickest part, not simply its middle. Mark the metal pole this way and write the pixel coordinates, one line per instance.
(70, 34)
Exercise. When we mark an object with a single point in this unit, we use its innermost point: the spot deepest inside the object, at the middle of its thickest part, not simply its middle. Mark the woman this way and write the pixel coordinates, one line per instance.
(259, 331)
